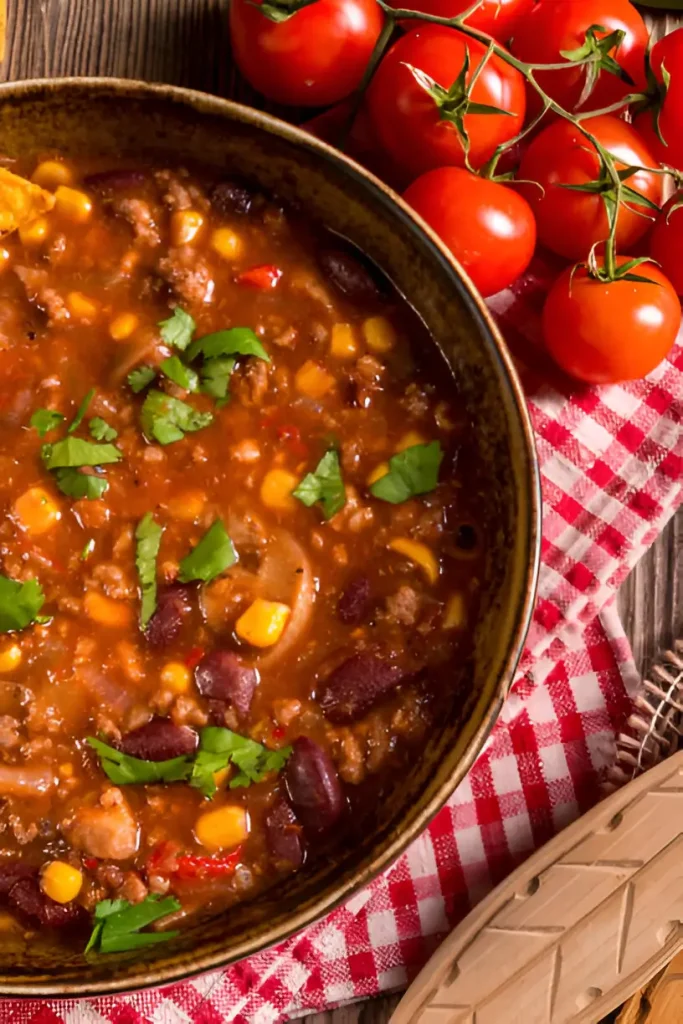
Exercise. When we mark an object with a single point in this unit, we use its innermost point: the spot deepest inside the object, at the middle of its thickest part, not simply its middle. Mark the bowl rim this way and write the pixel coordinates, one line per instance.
(377, 191)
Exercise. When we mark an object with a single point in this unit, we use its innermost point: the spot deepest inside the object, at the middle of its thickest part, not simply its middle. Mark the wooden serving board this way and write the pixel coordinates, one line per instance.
(586, 921)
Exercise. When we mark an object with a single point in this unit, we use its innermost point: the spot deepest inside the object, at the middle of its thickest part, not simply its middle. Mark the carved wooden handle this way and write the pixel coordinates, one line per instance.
(575, 930)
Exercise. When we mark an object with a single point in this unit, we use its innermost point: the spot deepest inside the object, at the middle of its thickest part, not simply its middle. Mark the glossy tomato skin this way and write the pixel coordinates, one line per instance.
(488, 227)
(555, 25)
(406, 118)
(605, 333)
(666, 242)
(668, 52)
(569, 222)
(499, 18)
(315, 58)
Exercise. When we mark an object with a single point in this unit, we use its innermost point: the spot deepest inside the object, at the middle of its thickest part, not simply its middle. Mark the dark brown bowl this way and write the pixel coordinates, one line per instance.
(123, 118)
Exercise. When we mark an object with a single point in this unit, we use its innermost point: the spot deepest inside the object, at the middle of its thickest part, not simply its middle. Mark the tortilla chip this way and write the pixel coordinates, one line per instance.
(20, 201)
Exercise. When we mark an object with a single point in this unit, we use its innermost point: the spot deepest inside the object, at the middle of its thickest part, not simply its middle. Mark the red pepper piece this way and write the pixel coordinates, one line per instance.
(194, 656)
(278, 733)
(291, 435)
(90, 863)
(193, 866)
(265, 276)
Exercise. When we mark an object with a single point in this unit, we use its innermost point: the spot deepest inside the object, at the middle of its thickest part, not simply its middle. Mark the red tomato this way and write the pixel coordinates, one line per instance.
(264, 276)
(568, 222)
(668, 52)
(666, 242)
(317, 56)
(411, 125)
(489, 228)
(556, 25)
(497, 17)
(603, 333)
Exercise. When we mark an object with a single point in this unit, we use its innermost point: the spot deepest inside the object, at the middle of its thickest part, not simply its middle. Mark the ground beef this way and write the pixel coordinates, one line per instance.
(139, 215)
(188, 275)
(9, 732)
(178, 192)
(108, 831)
(114, 581)
(404, 605)
(250, 384)
(38, 292)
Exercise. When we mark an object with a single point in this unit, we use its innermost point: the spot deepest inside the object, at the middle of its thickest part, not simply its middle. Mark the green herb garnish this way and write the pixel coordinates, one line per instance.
(118, 924)
(44, 420)
(325, 485)
(79, 485)
(20, 604)
(177, 331)
(220, 747)
(180, 374)
(237, 341)
(148, 538)
(412, 471)
(101, 430)
(74, 452)
(215, 378)
(166, 419)
(81, 411)
(140, 377)
(125, 770)
(212, 556)
(88, 549)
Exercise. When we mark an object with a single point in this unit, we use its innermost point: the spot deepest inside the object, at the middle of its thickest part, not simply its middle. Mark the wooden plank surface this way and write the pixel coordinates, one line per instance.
(186, 42)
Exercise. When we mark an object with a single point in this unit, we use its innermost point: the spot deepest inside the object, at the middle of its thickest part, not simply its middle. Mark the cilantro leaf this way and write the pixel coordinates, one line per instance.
(220, 747)
(140, 377)
(215, 377)
(325, 485)
(20, 603)
(237, 341)
(166, 419)
(412, 471)
(44, 420)
(74, 451)
(119, 923)
(180, 374)
(81, 411)
(148, 541)
(177, 331)
(212, 556)
(125, 770)
(101, 430)
(77, 485)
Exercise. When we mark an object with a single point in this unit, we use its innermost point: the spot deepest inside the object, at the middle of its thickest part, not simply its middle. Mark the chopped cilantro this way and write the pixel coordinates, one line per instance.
(20, 604)
(215, 377)
(78, 485)
(237, 341)
(44, 420)
(177, 331)
(140, 377)
(125, 770)
(74, 452)
(412, 471)
(166, 419)
(81, 411)
(220, 747)
(180, 374)
(101, 430)
(118, 924)
(325, 485)
(212, 556)
(148, 538)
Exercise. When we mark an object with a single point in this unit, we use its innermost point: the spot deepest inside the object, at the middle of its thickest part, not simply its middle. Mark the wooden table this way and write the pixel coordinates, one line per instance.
(186, 42)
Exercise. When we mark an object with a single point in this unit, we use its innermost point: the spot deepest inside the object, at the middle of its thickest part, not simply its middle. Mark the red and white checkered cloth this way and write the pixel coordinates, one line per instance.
(612, 470)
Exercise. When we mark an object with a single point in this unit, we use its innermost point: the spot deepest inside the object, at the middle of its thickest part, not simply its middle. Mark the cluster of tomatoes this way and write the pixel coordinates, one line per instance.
(527, 122)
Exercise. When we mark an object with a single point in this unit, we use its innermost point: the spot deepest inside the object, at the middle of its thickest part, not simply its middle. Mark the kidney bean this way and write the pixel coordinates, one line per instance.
(159, 740)
(13, 871)
(28, 899)
(283, 834)
(115, 180)
(229, 197)
(221, 676)
(348, 275)
(355, 686)
(313, 786)
(353, 601)
(173, 607)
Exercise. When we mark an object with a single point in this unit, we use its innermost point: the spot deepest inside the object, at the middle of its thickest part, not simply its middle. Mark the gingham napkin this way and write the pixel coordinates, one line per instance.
(612, 470)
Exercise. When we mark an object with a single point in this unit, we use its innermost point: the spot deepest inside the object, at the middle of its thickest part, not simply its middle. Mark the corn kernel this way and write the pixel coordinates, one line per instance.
(223, 828)
(455, 613)
(377, 473)
(66, 770)
(277, 487)
(227, 244)
(418, 553)
(51, 173)
(380, 336)
(10, 658)
(106, 611)
(187, 506)
(36, 511)
(73, 204)
(122, 326)
(176, 676)
(263, 623)
(35, 232)
(185, 226)
(313, 380)
(409, 440)
(60, 881)
(343, 344)
(81, 307)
